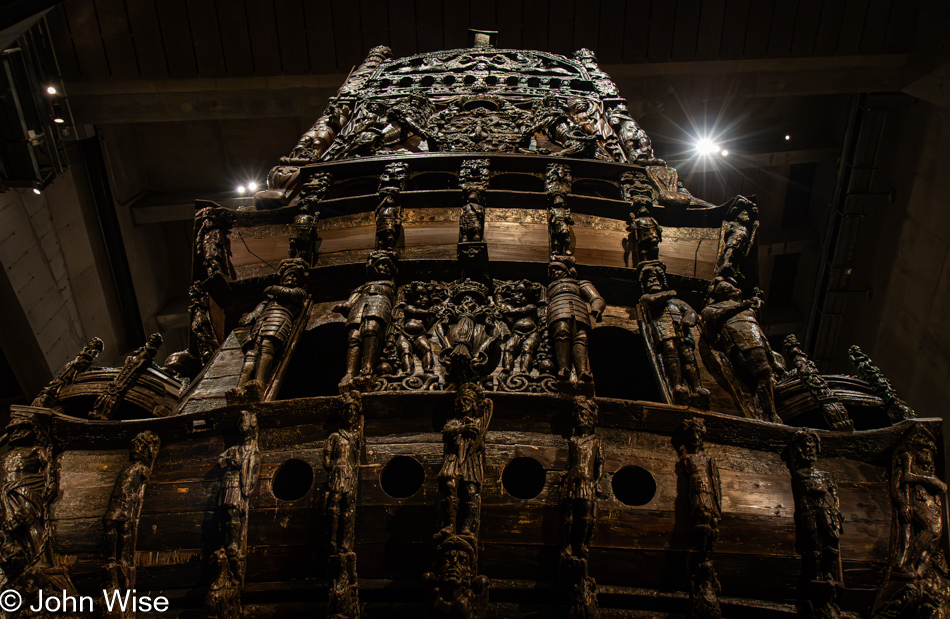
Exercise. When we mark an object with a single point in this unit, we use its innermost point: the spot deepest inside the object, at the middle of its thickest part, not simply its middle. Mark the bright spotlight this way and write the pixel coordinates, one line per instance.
(37, 190)
(724, 153)
(51, 90)
(240, 189)
(252, 186)
(788, 137)
(706, 147)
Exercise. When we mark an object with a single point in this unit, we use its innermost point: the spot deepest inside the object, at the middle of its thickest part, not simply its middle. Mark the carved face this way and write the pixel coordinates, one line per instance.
(352, 406)
(651, 281)
(924, 459)
(291, 278)
(468, 402)
(808, 447)
(455, 566)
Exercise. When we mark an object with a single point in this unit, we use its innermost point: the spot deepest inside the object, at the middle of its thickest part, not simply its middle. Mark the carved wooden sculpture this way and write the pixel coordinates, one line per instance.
(833, 410)
(121, 520)
(273, 320)
(463, 462)
(737, 236)
(669, 323)
(454, 589)
(518, 303)
(315, 142)
(389, 210)
(896, 408)
(240, 465)
(49, 396)
(224, 596)
(732, 329)
(917, 583)
(341, 459)
(468, 330)
(559, 181)
(585, 466)
(572, 304)
(26, 488)
(644, 234)
(474, 181)
(699, 480)
(199, 307)
(212, 224)
(634, 140)
(368, 313)
(417, 314)
(108, 402)
(818, 528)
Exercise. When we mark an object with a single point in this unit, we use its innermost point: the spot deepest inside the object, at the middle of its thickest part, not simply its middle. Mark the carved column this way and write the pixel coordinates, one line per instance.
(304, 236)
(916, 583)
(818, 528)
(585, 467)
(121, 520)
(273, 321)
(389, 212)
(832, 409)
(454, 588)
(108, 402)
(341, 459)
(896, 408)
(472, 249)
(49, 396)
(701, 498)
(558, 181)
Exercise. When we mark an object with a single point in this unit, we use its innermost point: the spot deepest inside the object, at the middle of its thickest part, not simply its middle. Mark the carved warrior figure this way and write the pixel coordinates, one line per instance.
(896, 408)
(121, 520)
(818, 527)
(26, 489)
(670, 321)
(389, 212)
(318, 139)
(917, 583)
(571, 305)
(463, 462)
(378, 126)
(273, 320)
(49, 396)
(700, 481)
(136, 365)
(517, 302)
(474, 181)
(738, 233)
(241, 467)
(212, 244)
(644, 234)
(833, 410)
(223, 600)
(368, 312)
(731, 327)
(558, 181)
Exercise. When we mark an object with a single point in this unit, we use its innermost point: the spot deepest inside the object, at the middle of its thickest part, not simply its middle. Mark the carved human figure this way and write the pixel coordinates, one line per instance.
(702, 483)
(559, 227)
(472, 216)
(212, 224)
(818, 527)
(645, 234)
(273, 320)
(738, 231)
(315, 142)
(136, 365)
(419, 314)
(571, 305)
(303, 238)
(49, 396)
(223, 600)
(634, 140)
(455, 591)
(121, 519)
(553, 120)
(585, 466)
(833, 410)
(240, 466)
(468, 330)
(670, 321)
(344, 599)
(463, 461)
(518, 306)
(730, 325)
(602, 82)
(25, 492)
(368, 312)
(388, 219)
(341, 459)
(588, 115)
(896, 408)
(199, 306)
(916, 584)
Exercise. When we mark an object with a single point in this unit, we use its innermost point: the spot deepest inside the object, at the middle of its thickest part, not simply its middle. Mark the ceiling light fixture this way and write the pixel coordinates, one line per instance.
(51, 90)
(705, 147)
(241, 189)
(252, 186)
